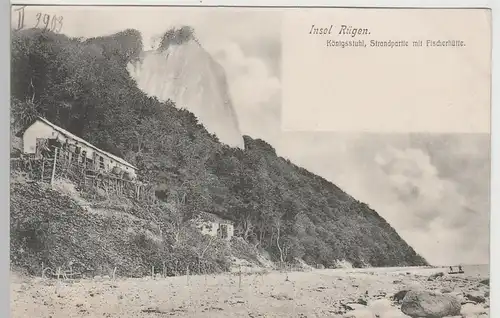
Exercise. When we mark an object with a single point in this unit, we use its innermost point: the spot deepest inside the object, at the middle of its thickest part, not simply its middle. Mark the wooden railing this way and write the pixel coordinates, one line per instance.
(60, 164)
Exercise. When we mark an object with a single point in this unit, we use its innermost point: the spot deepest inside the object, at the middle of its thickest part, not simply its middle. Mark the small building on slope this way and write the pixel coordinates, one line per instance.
(41, 135)
(213, 225)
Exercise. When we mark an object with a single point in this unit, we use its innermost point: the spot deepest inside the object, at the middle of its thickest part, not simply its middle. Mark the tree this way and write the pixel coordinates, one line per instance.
(175, 219)
(22, 113)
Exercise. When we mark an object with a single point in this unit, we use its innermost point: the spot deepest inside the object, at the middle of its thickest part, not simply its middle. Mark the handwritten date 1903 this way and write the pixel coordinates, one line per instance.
(48, 22)
(44, 21)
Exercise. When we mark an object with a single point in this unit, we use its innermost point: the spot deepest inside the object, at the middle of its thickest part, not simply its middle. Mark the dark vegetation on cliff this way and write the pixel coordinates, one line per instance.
(177, 36)
(279, 207)
(50, 230)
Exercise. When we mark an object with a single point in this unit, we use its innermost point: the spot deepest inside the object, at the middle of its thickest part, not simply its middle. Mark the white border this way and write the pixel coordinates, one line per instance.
(275, 3)
(495, 113)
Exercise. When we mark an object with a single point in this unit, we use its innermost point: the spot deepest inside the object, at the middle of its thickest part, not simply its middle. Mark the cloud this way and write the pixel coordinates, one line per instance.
(255, 91)
(433, 213)
(251, 82)
(415, 182)
(401, 176)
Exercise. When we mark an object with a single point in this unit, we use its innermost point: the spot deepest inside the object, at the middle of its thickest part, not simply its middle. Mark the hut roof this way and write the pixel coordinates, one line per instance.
(80, 140)
(205, 216)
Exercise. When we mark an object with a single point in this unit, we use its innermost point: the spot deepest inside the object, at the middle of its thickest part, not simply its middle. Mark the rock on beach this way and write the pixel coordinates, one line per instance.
(424, 304)
(473, 311)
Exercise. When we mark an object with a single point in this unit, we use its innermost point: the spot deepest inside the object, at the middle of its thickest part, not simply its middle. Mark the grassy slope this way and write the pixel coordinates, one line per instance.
(54, 227)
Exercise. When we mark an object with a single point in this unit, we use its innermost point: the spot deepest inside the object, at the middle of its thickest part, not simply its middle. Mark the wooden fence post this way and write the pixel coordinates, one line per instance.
(54, 167)
(239, 279)
(43, 167)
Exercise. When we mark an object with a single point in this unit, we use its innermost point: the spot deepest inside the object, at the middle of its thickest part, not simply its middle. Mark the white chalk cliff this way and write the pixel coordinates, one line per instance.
(182, 71)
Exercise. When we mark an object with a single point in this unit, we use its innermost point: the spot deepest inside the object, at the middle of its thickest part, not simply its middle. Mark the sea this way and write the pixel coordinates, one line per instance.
(482, 271)
(479, 271)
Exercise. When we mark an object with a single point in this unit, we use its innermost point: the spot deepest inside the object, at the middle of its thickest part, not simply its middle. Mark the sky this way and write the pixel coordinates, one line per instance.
(432, 188)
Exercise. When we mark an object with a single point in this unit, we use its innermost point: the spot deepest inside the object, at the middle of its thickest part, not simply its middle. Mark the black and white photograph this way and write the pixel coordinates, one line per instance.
(151, 174)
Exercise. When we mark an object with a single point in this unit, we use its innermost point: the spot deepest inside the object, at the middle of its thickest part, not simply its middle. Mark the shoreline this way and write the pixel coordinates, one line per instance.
(315, 293)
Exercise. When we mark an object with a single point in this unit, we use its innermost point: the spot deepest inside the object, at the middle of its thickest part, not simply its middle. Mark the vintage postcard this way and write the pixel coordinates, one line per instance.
(250, 162)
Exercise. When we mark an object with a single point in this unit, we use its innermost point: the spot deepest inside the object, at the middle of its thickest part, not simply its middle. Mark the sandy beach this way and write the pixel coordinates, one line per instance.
(317, 293)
